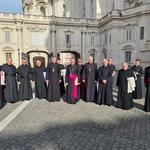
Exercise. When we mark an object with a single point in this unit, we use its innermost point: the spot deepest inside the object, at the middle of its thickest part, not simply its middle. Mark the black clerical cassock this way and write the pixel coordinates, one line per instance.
(82, 84)
(62, 87)
(53, 75)
(90, 78)
(137, 94)
(124, 99)
(71, 89)
(105, 90)
(10, 90)
(40, 82)
(24, 77)
(147, 85)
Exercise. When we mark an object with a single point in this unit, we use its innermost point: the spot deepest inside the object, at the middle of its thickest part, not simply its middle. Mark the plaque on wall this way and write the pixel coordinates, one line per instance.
(37, 38)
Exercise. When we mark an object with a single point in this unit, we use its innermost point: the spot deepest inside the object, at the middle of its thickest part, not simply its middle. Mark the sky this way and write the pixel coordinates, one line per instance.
(11, 6)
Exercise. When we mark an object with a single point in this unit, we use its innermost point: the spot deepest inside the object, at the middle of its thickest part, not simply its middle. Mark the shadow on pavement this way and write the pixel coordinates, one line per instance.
(125, 134)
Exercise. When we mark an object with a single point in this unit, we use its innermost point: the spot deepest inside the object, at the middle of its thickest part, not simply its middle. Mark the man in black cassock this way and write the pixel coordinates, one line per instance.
(138, 73)
(113, 68)
(39, 72)
(124, 99)
(147, 85)
(53, 79)
(62, 86)
(105, 90)
(24, 79)
(90, 79)
(81, 85)
(71, 79)
(10, 89)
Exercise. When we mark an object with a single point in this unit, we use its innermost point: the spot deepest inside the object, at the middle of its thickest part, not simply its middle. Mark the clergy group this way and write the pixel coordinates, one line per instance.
(76, 81)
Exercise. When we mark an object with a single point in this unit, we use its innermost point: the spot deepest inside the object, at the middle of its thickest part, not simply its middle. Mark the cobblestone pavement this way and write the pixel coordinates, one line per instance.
(84, 126)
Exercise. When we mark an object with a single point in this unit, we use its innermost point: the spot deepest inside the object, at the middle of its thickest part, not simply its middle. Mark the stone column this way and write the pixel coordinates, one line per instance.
(72, 9)
(53, 32)
(83, 52)
(87, 9)
(94, 9)
(19, 43)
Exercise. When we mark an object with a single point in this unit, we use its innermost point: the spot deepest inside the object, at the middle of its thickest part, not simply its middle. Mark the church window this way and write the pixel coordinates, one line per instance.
(141, 33)
(7, 37)
(68, 40)
(128, 35)
(105, 39)
(128, 56)
(8, 55)
(105, 55)
(43, 12)
(110, 39)
(92, 40)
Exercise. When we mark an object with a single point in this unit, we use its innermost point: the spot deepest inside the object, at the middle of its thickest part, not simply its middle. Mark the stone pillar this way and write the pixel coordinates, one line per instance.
(83, 52)
(72, 9)
(94, 9)
(53, 35)
(83, 38)
(53, 32)
(87, 9)
(19, 43)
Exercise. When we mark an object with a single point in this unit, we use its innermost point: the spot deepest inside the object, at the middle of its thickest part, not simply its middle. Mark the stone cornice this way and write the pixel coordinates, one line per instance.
(69, 32)
(36, 29)
(7, 49)
(7, 29)
(93, 33)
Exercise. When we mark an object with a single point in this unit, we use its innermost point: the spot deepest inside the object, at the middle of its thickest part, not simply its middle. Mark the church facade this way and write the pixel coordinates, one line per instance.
(103, 29)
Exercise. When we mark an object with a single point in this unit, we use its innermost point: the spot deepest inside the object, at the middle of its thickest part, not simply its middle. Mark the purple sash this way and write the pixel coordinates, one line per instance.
(75, 88)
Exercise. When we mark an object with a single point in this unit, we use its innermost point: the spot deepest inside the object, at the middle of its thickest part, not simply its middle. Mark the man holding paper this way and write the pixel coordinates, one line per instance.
(10, 89)
(124, 98)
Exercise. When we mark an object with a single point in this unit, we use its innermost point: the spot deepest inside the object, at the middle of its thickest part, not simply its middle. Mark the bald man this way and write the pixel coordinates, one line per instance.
(38, 77)
(90, 79)
(105, 90)
(124, 99)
